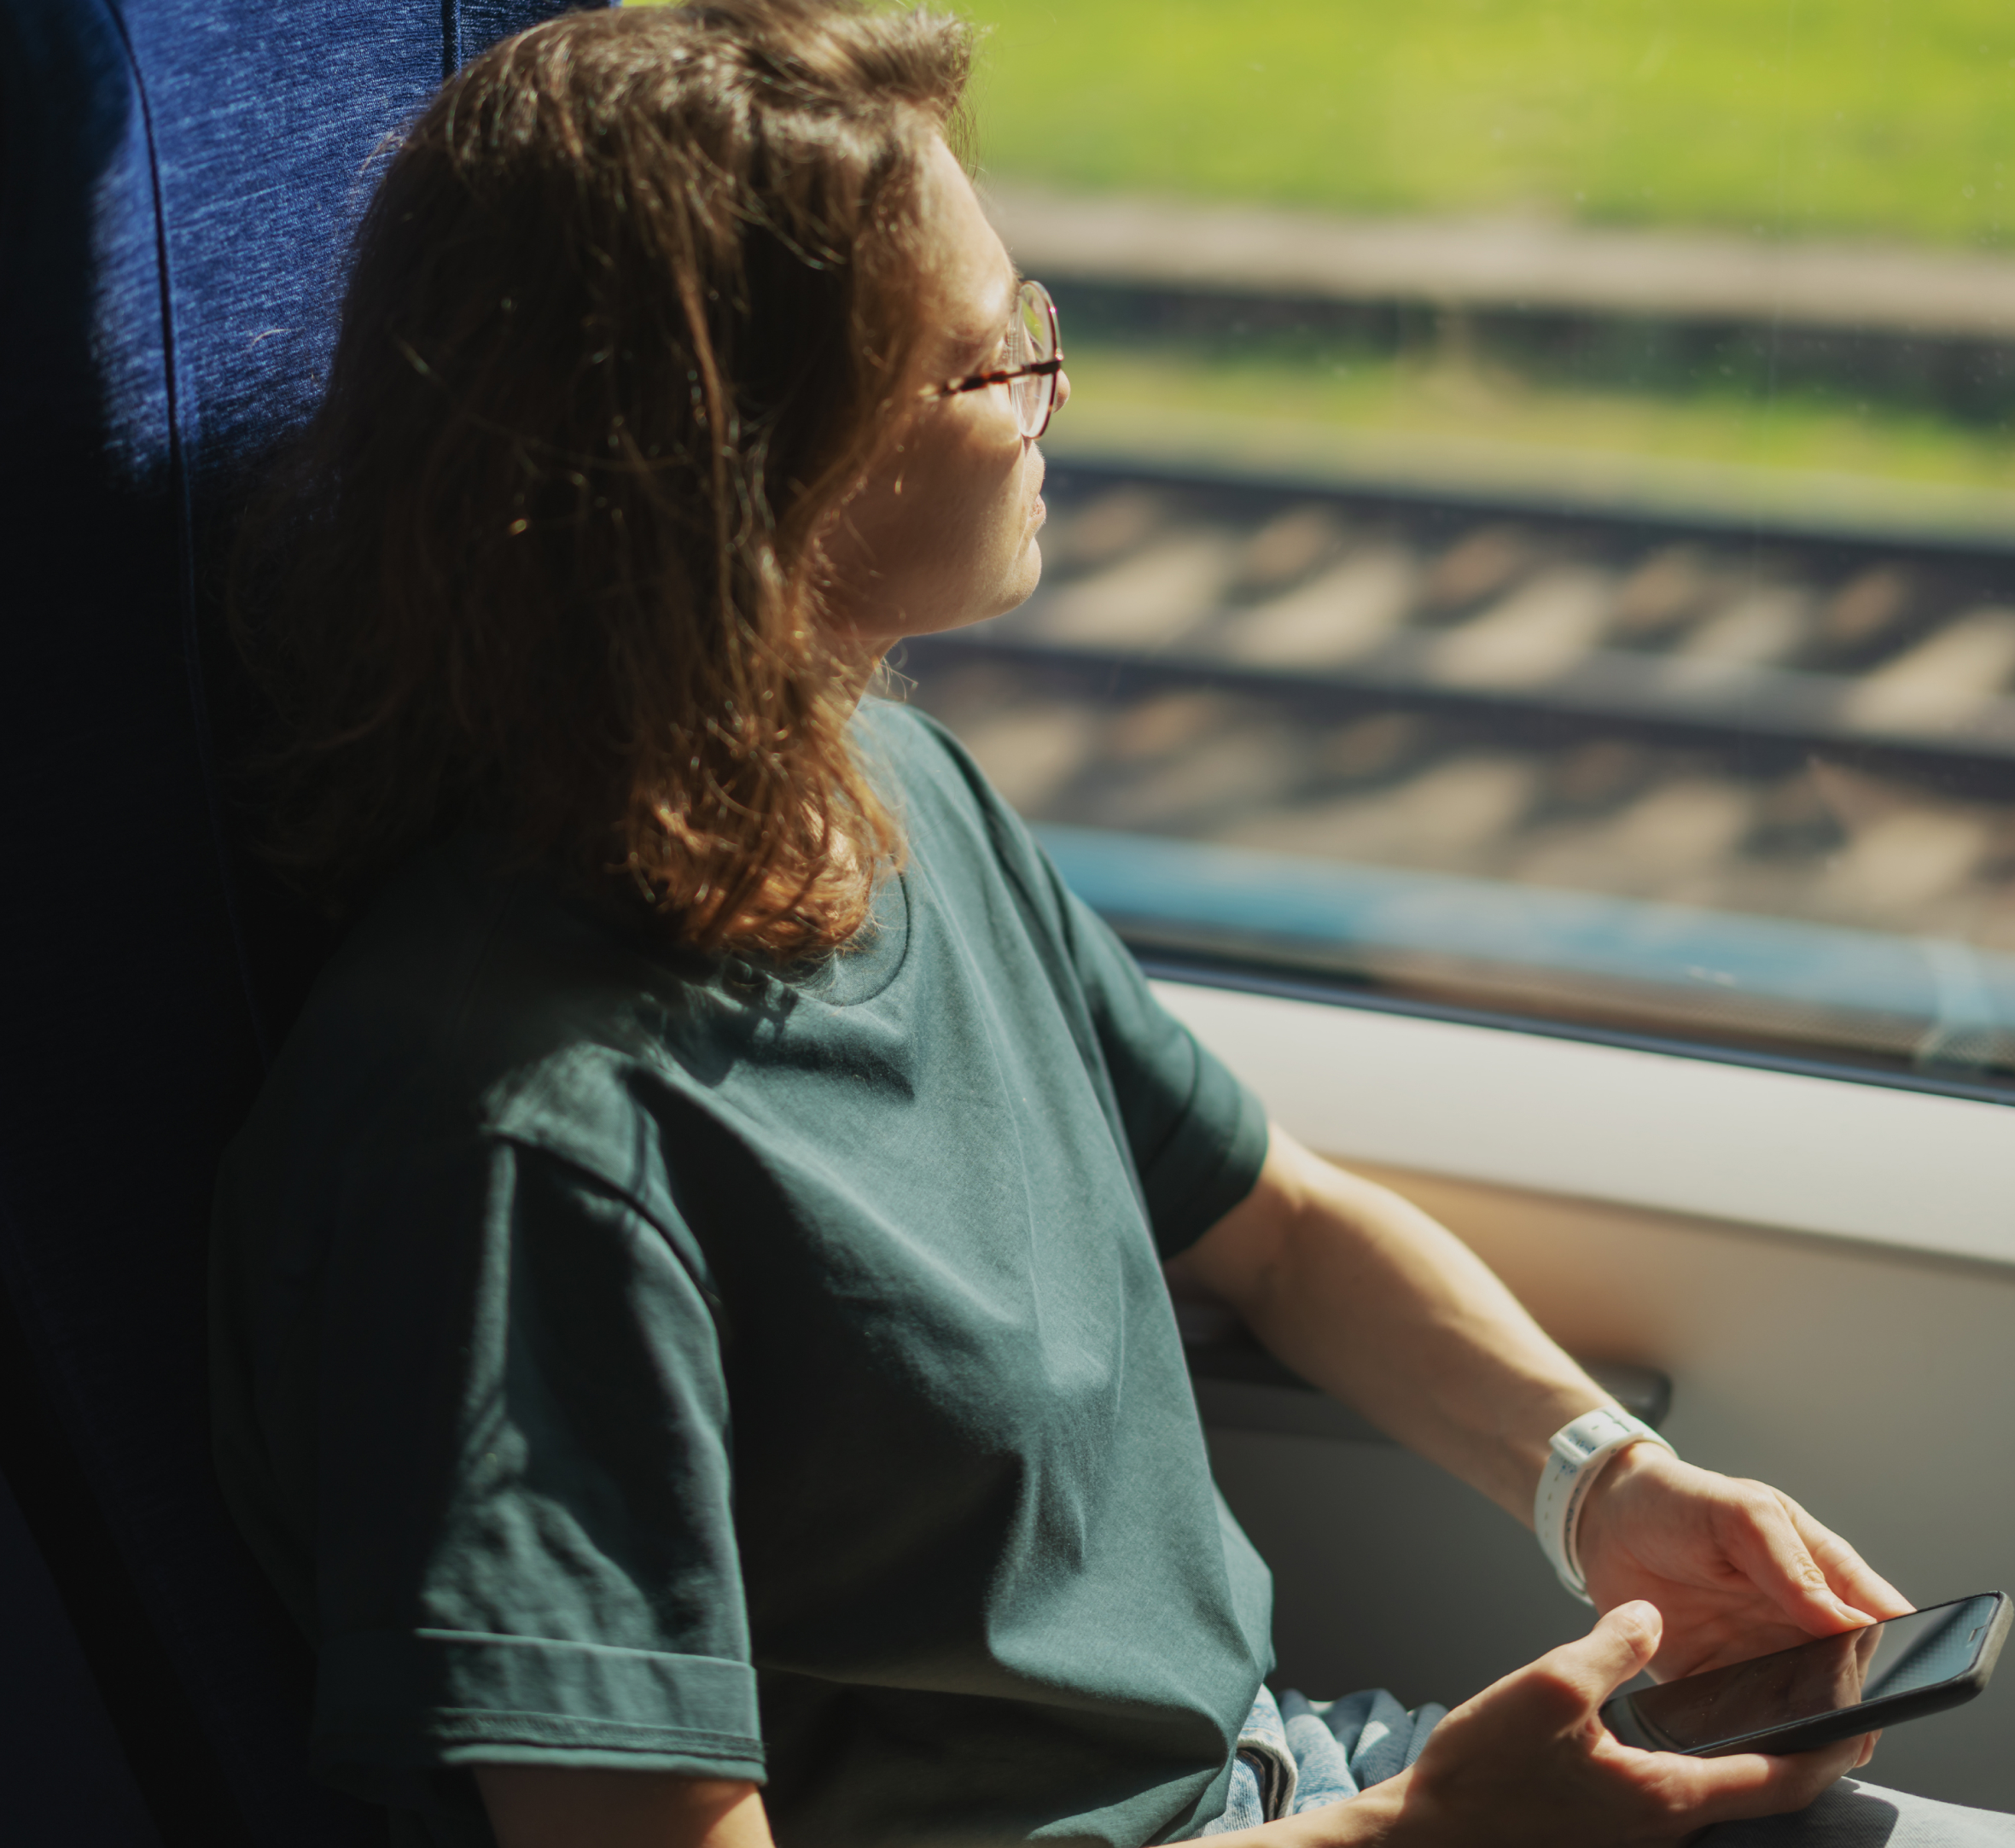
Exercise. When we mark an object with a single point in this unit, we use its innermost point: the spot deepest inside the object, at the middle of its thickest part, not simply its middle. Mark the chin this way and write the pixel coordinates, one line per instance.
(1013, 588)
(1028, 574)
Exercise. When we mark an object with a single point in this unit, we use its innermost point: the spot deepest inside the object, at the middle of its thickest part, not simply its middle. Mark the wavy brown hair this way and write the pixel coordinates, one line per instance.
(630, 314)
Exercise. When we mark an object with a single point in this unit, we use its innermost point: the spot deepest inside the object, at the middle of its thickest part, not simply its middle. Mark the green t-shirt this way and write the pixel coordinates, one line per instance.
(628, 1360)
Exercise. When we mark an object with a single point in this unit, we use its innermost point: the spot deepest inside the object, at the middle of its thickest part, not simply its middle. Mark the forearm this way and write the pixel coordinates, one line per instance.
(548, 1806)
(1370, 1298)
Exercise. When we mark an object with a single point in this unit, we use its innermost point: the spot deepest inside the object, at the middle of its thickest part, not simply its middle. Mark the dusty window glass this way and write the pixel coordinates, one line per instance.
(1532, 533)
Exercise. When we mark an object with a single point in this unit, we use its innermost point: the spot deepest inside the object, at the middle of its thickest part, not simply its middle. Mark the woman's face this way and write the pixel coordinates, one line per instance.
(942, 532)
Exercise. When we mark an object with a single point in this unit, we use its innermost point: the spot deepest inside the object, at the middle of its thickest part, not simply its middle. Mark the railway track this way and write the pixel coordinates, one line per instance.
(1524, 707)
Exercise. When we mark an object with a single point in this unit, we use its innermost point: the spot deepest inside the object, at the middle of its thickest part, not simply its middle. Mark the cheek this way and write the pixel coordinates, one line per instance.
(934, 539)
(1009, 493)
(967, 503)
(981, 471)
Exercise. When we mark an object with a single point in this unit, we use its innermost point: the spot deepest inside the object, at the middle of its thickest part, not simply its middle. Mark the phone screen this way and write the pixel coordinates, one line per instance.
(1900, 1656)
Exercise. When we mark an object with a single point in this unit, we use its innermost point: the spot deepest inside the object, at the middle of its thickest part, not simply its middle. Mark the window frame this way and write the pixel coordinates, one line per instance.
(1745, 1143)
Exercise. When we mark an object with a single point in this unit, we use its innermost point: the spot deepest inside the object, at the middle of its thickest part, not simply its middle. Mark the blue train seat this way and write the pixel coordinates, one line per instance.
(177, 180)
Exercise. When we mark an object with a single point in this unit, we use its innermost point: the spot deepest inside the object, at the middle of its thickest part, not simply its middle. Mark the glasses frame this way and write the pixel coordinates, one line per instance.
(1030, 290)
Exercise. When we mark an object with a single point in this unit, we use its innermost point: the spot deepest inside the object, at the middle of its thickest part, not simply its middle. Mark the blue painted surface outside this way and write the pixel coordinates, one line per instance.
(1254, 901)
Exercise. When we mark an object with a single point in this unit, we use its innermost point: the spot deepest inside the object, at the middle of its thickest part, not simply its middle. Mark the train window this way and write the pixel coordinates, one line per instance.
(1534, 532)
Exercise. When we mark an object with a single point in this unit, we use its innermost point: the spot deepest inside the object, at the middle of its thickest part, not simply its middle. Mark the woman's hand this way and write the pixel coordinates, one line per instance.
(1736, 1568)
(1528, 1762)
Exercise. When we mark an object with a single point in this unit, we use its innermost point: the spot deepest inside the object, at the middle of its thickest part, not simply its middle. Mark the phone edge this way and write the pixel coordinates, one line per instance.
(1824, 1729)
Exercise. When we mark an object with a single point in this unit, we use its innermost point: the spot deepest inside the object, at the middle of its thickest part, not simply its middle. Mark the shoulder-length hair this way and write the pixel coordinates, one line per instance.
(630, 314)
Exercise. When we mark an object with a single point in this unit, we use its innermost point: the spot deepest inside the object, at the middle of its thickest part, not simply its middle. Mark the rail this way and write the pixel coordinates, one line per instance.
(1626, 773)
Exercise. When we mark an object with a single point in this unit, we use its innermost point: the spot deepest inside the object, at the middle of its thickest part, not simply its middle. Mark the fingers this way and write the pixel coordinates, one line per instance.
(1771, 1548)
(1752, 1784)
(1527, 1764)
(1849, 1574)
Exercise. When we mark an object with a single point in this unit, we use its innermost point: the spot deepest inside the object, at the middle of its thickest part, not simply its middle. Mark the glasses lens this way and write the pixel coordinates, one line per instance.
(1035, 321)
(1033, 339)
(1032, 401)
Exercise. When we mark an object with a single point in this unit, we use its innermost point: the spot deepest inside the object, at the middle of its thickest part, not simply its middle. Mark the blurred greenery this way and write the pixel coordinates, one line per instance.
(1812, 429)
(1891, 119)
(1779, 118)
(1809, 453)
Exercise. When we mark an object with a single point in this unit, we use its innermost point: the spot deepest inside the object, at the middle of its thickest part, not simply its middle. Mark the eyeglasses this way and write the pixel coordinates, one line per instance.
(1035, 357)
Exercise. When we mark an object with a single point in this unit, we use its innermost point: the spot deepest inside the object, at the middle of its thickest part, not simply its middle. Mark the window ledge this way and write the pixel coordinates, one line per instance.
(1786, 1151)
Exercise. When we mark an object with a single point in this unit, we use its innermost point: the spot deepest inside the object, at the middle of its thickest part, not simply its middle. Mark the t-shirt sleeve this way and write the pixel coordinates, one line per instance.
(1199, 1136)
(1196, 1135)
(525, 1545)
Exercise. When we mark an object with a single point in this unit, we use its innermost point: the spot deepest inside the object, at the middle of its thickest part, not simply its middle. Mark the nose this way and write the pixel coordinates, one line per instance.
(1063, 389)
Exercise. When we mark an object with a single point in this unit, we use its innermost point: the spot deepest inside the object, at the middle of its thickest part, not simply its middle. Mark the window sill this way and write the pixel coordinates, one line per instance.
(1785, 1151)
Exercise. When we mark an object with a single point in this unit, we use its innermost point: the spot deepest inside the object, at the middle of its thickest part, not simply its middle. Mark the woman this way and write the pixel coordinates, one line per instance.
(692, 1345)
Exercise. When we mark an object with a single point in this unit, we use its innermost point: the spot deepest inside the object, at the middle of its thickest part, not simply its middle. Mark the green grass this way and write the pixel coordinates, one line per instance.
(1815, 430)
(1783, 118)
(1809, 454)
(1890, 119)
(1884, 119)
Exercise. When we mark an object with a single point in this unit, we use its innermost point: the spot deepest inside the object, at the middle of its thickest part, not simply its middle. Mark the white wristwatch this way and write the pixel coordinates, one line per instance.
(1580, 1453)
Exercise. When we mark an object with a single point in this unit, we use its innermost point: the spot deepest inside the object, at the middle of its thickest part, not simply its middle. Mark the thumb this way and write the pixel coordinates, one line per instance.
(1621, 1643)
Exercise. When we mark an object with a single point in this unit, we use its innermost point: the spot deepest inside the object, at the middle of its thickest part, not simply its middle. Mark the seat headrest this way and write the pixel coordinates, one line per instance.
(177, 182)
(181, 178)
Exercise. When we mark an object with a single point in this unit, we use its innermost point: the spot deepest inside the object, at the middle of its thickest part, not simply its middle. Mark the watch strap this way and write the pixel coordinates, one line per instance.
(1577, 1454)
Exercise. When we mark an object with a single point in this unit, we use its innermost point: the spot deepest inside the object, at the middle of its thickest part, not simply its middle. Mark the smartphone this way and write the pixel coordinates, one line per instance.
(1815, 1693)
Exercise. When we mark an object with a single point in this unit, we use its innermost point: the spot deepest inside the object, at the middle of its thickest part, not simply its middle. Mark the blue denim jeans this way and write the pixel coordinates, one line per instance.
(1297, 1755)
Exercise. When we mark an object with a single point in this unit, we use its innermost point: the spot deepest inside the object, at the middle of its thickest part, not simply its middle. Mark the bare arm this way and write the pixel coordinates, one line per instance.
(1368, 1296)
(542, 1806)
(1365, 1296)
